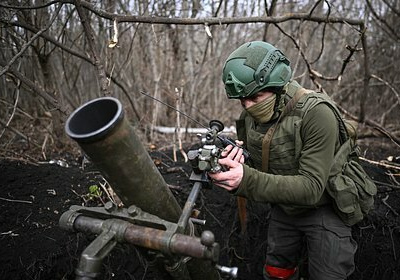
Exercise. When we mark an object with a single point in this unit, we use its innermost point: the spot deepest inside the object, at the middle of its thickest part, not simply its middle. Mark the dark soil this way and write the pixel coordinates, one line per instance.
(33, 197)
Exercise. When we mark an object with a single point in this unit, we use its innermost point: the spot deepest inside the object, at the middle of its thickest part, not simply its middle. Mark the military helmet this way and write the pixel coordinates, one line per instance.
(253, 67)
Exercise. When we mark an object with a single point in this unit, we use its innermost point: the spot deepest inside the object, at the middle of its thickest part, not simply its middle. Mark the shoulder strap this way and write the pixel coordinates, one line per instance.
(343, 133)
(268, 136)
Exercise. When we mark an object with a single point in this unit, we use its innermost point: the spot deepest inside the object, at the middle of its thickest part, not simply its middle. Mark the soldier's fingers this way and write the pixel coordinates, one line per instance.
(226, 151)
(238, 155)
(229, 163)
(239, 143)
(226, 187)
(233, 153)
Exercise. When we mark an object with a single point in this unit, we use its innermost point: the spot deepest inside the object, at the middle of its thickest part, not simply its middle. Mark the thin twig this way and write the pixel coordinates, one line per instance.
(215, 218)
(44, 146)
(382, 184)
(15, 200)
(380, 163)
(14, 109)
(178, 123)
(393, 247)
(392, 137)
(27, 44)
(392, 88)
(93, 48)
(10, 232)
(17, 157)
(384, 201)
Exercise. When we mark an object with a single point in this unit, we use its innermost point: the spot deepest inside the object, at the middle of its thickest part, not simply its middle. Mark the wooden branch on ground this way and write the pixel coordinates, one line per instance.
(381, 164)
(16, 200)
(384, 201)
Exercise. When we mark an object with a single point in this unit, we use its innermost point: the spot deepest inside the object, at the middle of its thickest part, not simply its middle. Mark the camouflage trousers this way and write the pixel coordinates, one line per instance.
(319, 239)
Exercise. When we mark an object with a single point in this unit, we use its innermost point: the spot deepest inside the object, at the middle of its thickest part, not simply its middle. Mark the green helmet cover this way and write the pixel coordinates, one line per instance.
(253, 67)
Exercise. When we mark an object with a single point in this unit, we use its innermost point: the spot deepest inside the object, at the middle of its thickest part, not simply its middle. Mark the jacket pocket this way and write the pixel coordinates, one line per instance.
(343, 190)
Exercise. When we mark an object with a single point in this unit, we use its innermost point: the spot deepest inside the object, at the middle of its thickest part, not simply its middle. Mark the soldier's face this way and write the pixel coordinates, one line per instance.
(254, 99)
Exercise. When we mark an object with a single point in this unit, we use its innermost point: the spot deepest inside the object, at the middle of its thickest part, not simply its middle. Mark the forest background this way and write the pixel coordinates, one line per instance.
(56, 55)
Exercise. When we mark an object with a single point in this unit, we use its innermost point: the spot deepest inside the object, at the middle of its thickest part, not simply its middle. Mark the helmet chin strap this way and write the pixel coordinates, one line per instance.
(279, 103)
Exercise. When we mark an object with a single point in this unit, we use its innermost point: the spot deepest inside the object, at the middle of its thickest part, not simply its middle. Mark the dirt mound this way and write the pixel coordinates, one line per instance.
(34, 247)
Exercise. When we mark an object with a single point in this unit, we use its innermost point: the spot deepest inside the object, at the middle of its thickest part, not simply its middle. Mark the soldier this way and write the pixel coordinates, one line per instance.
(292, 135)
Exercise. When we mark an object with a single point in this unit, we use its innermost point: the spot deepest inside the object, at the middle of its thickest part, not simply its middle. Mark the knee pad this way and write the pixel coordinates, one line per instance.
(273, 272)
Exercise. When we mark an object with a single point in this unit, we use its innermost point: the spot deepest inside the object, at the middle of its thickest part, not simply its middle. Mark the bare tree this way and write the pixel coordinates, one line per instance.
(80, 51)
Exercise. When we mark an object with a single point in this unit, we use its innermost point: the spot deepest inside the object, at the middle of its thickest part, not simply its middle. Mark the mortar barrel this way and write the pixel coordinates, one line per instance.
(104, 134)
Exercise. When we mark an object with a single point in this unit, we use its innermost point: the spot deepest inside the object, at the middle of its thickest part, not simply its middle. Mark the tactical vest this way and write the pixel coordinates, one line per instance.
(349, 188)
(286, 143)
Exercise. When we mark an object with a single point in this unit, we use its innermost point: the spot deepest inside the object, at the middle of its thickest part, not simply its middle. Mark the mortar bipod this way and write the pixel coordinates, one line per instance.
(132, 225)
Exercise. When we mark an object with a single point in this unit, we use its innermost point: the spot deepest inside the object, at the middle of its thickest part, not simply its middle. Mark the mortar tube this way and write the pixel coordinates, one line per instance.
(103, 133)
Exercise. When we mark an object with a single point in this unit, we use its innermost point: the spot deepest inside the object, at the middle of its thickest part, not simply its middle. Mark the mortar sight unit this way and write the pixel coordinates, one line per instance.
(206, 157)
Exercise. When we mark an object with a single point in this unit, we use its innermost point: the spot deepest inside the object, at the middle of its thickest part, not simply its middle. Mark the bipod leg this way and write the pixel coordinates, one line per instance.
(188, 208)
(92, 257)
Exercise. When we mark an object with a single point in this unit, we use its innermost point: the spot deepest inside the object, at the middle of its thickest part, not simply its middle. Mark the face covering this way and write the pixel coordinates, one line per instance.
(262, 112)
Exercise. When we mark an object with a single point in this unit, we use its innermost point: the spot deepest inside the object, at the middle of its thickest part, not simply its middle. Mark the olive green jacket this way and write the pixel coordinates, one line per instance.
(301, 154)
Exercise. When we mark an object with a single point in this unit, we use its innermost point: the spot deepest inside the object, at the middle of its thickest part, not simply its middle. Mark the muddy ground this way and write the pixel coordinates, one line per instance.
(34, 195)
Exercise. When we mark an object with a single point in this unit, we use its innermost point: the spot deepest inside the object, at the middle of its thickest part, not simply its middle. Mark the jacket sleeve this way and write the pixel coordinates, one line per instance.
(319, 133)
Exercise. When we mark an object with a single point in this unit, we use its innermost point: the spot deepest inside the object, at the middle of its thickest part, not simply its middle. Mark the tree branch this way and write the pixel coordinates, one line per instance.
(391, 7)
(373, 124)
(199, 21)
(313, 73)
(392, 88)
(33, 7)
(27, 44)
(367, 74)
(323, 30)
(383, 21)
(20, 134)
(92, 46)
(30, 85)
(47, 37)
(14, 109)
